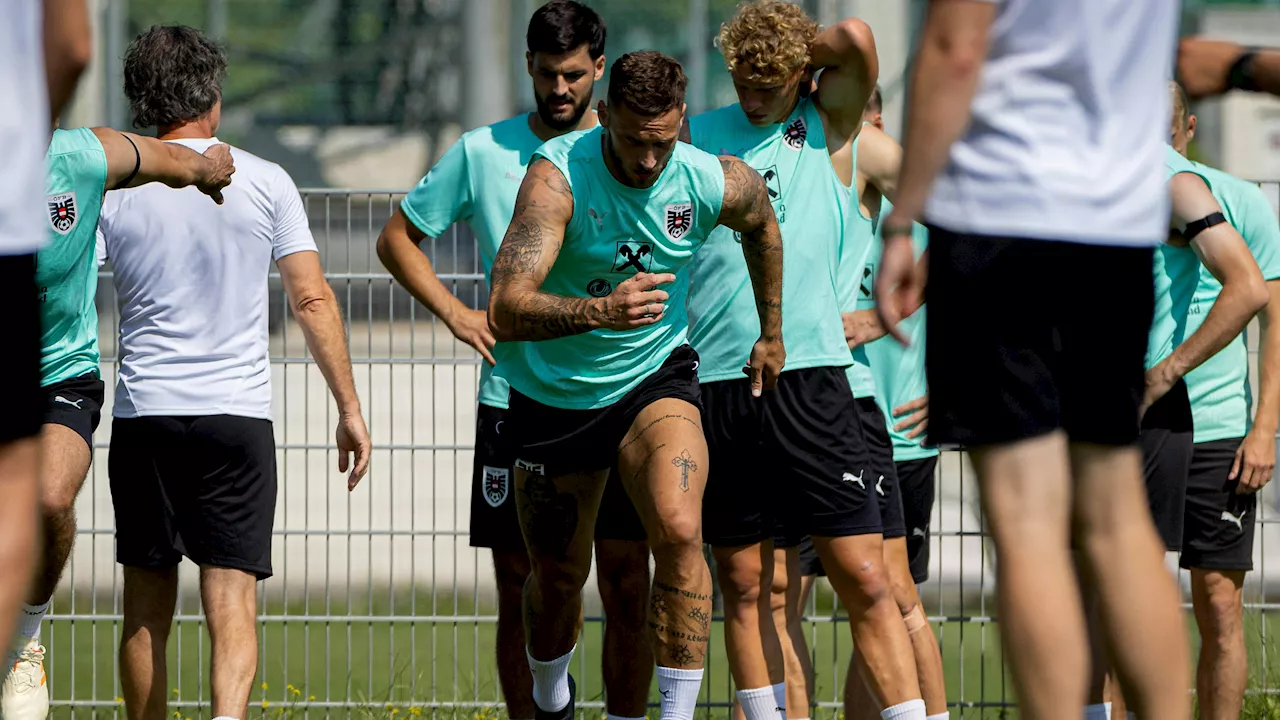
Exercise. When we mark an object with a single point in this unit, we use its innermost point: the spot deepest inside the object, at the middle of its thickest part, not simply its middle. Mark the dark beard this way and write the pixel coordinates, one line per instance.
(550, 120)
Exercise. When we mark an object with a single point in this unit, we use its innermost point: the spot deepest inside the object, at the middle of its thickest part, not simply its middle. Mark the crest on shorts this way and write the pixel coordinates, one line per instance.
(497, 485)
(62, 212)
(679, 220)
(795, 134)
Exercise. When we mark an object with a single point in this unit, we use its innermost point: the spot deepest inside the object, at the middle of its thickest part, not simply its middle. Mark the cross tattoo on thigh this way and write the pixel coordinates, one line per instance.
(686, 463)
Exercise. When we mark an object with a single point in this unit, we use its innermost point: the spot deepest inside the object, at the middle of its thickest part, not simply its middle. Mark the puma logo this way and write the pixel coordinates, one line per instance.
(664, 693)
(919, 532)
(598, 217)
(76, 404)
(849, 478)
(879, 488)
(1238, 520)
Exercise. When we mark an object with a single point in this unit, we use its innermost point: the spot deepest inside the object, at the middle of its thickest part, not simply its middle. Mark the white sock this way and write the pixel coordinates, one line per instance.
(940, 716)
(225, 717)
(29, 621)
(1100, 711)
(909, 710)
(780, 697)
(551, 681)
(758, 704)
(679, 690)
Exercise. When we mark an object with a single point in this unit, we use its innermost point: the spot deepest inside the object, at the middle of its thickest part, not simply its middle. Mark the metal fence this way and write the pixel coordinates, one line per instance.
(379, 607)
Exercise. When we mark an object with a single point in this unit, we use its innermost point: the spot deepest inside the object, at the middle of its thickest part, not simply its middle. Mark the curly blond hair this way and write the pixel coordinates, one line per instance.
(767, 40)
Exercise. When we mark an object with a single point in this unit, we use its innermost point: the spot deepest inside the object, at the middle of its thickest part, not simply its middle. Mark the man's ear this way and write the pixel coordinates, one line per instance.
(528, 62)
(599, 68)
(602, 113)
(1191, 128)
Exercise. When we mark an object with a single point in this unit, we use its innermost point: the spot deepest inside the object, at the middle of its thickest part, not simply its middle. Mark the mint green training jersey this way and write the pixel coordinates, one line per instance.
(476, 182)
(898, 371)
(854, 285)
(810, 203)
(1176, 275)
(67, 268)
(1221, 399)
(617, 231)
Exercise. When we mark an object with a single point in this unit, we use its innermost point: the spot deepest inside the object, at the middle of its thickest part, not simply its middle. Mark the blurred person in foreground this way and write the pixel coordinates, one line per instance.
(476, 181)
(1057, 174)
(83, 164)
(802, 93)
(192, 466)
(594, 272)
(44, 47)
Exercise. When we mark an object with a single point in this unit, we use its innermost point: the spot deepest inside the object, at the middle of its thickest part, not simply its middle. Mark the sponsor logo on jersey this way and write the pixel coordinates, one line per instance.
(497, 485)
(63, 215)
(633, 256)
(599, 288)
(679, 220)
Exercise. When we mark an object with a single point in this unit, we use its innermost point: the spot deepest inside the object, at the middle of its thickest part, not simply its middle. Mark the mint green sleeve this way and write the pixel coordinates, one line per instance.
(444, 196)
(1261, 230)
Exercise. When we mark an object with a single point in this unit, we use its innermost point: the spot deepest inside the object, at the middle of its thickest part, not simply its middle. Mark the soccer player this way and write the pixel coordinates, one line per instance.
(1046, 214)
(32, 91)
(476, 181)
(810, 432)
(82, 165)
(1232, 459)
(192, 464)
(594, 272)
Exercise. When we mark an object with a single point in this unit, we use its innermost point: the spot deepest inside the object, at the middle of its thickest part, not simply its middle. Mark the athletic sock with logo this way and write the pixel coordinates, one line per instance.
(679, 689)
(759, 704)
(1100, 711)
(780, 697)
(909, 710)
(551, 681)
(29, 623)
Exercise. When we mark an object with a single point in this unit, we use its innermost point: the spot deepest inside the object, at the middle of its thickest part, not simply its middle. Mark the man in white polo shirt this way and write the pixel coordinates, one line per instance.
(1043, 217)
(192, 463)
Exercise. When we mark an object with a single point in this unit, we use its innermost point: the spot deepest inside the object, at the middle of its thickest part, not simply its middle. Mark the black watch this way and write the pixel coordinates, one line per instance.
(1240, 76)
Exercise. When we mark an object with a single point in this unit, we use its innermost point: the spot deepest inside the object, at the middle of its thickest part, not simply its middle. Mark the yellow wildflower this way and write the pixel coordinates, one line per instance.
(266, 704)
(264, 686)
(311, 698)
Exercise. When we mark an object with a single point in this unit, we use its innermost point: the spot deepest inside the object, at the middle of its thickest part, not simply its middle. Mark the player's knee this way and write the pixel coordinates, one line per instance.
(678, 537)
(740, 580)
(1225, 610)
(871, 584)
(58, 500)
(560, 579)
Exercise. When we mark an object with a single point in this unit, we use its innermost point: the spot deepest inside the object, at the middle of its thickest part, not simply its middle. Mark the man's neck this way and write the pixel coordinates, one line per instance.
(545, 132)
(200, 129)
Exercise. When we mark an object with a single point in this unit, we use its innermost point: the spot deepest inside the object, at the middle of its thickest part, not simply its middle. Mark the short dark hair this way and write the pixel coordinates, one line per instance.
(875, 103)
(560, 26)
(172, 74)
(647, 82)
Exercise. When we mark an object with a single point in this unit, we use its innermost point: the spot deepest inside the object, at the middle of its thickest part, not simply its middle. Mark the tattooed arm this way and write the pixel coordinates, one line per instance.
(747, 209)
(519, 309)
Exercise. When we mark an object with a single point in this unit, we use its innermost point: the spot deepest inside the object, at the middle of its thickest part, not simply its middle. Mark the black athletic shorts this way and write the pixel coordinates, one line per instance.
(77, 404)
(1166, 439)
(20, 363)
(1060, 343)
(555, 441)
(880, 451)
(1219, 529)
(791, 463)
(494, 521)
(916, 478)
(202, 486)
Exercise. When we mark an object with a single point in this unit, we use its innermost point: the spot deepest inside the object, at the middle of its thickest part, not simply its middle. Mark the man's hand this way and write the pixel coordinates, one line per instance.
(1160, 380)
(899, 285)
(767, 358)
(217, 172)
(1203, 65)
(472, 327)
(1255, 461)
(861, 327)
(636, 301)
(353, 437)
(917, 412)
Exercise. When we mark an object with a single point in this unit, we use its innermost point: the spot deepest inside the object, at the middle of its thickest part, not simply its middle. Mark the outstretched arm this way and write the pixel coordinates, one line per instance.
(519, 309)
(134, 160)
(1204, 67)
(747, 209)
(1225, 254)
(846, 55)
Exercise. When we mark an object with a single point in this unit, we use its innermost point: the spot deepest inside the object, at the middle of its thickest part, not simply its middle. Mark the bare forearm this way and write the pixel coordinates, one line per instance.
(1227, 318)
(763, 251)
(942, 88)
(411, 268)
(1266, 417)
(326, 338)
(68, 48)
(535, 315)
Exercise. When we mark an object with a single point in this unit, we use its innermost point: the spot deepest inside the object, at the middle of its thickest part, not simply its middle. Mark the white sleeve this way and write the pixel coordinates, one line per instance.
(292, 232)
(102, 248)
(104, 221)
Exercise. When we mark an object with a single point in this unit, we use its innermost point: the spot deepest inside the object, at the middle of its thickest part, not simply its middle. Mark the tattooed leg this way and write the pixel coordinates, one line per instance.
(750, 636)
(663, 461)
(557, 518)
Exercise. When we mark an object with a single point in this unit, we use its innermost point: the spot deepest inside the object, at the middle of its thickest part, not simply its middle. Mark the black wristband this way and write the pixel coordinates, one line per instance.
(1195, 228)
(137, 163)
(1240, 76)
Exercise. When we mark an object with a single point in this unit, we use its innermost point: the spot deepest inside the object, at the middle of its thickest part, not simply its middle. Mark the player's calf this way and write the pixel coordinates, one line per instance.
(622, 571)
(1222, 671)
